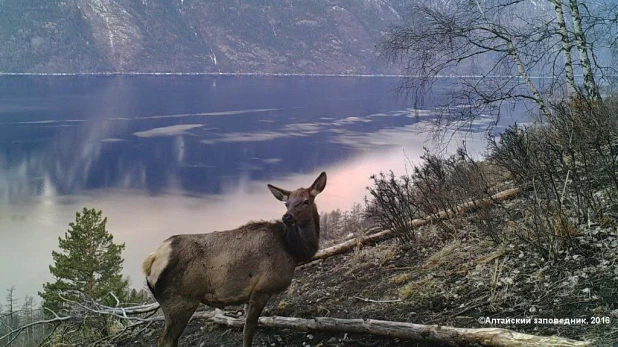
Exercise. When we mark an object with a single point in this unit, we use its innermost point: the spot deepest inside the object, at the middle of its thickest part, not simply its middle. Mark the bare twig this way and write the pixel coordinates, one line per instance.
(378, 301)
(17, 331)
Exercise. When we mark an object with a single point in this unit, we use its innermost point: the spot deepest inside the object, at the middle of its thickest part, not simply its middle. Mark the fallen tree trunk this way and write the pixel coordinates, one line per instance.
(445, 335)
(362, 240)
(450, 336)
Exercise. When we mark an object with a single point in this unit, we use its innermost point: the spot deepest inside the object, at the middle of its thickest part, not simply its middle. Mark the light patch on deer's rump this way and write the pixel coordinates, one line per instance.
(156, 262)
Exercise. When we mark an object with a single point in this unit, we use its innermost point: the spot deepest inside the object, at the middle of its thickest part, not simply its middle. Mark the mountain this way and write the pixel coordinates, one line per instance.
(246, 36)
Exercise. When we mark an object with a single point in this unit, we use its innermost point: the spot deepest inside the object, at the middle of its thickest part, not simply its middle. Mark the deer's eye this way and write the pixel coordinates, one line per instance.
(306, 202)
(287, 204)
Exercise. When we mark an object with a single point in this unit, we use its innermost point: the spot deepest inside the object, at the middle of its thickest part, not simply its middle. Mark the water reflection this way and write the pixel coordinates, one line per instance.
(167, 155)
(164, 133)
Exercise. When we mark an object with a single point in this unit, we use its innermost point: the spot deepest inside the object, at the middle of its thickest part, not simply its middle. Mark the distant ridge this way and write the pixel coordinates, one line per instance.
(267, 37)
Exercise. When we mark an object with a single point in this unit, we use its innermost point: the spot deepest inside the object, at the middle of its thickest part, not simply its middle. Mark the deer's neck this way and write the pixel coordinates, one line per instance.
(302, 242)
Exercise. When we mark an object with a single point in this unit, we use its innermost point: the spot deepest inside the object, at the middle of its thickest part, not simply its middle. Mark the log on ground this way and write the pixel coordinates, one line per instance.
(362, 240)
(450, 336)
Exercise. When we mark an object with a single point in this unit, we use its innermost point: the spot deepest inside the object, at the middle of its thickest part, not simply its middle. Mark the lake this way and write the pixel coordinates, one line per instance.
(162, 155)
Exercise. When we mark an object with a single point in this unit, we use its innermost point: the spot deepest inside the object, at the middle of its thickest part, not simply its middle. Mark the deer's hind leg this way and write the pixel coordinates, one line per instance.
(177, 315)
(254, 309)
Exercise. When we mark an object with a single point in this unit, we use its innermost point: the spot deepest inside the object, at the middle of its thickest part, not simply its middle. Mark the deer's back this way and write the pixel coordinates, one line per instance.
(224, 268)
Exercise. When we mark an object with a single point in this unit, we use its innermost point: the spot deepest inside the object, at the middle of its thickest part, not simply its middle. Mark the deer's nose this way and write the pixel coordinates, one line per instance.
(288, 218)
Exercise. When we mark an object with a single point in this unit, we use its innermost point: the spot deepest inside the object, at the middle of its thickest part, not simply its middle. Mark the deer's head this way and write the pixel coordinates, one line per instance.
(300, 203)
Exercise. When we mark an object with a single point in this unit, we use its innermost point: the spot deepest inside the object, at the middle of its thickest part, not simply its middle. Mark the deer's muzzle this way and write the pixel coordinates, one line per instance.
(288, 219)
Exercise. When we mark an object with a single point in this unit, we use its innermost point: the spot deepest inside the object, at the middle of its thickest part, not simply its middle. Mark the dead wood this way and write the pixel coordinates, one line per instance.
(449, 336)
(365, 239)
(445, 335)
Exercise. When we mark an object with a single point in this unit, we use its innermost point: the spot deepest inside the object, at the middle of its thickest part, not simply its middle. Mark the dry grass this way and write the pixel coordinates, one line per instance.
(445, 257)
(422, 289)
(378, 255)
(401, 278)
(491, 256)
(282, 305)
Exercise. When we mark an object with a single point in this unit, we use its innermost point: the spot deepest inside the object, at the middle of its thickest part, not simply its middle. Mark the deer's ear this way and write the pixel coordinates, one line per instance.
(280, 194)
(318, 185)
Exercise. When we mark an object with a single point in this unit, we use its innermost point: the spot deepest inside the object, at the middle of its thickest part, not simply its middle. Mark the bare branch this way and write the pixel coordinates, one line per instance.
(376, 301)
(514, 41)
(17, 331)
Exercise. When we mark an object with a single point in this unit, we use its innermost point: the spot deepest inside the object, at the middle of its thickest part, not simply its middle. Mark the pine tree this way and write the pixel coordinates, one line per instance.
(89, 262)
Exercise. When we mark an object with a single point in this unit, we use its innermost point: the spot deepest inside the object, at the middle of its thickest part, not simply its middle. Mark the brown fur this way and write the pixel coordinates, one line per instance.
(245, 265)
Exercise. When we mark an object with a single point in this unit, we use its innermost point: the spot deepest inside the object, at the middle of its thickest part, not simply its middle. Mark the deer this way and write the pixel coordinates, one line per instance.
(246, 265)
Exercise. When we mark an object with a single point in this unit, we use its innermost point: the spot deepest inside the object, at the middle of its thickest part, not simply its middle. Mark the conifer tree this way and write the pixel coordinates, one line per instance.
(89, 262)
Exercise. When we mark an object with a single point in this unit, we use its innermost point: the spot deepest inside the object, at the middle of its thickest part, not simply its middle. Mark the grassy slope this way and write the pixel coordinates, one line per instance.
(447, 283)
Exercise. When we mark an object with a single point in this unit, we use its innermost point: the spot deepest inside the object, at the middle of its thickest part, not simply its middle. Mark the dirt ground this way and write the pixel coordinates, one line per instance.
(451, 283)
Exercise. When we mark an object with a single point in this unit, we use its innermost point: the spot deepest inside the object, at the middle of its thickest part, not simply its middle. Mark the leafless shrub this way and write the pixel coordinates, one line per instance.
(444, 184)
(567, 169)
(392, 204)
(588, 133)
(438, 186)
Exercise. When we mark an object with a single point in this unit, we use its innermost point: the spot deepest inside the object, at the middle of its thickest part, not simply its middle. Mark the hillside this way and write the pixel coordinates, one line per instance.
(325, 36)
(451, 283)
